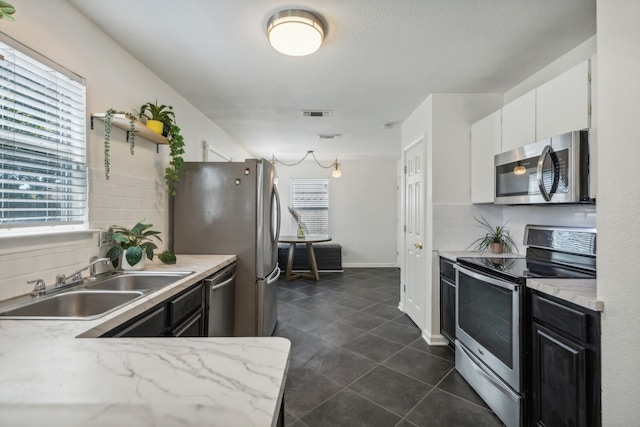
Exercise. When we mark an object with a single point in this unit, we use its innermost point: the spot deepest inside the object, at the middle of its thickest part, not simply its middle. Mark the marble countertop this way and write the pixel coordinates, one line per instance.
(58, 373)
(582, 292)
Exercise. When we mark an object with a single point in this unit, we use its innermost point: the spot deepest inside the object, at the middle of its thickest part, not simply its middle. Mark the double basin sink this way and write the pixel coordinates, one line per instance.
(92, 299)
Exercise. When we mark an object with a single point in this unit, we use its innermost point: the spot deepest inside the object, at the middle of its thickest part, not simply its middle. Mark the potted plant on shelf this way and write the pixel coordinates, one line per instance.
(132, 245)
(497, 239)
(160, 117)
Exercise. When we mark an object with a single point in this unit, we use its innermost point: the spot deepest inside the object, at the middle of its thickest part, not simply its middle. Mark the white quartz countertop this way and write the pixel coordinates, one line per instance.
(57, 373)
(582, 292)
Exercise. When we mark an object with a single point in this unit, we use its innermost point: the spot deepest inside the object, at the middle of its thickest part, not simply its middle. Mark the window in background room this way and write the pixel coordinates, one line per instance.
(43, 179)
(310, 197)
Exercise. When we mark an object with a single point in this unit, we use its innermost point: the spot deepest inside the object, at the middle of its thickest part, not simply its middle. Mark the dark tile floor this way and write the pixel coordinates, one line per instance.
(357, 360)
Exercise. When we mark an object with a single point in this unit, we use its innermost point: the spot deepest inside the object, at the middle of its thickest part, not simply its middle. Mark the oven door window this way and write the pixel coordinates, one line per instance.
(485, 313)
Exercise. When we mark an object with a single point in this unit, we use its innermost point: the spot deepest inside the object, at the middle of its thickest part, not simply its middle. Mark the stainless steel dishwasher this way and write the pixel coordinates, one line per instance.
(220, 299)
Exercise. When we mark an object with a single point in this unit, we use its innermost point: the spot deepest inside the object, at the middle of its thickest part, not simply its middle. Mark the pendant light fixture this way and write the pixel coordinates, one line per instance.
(295, 32)
(336, 173)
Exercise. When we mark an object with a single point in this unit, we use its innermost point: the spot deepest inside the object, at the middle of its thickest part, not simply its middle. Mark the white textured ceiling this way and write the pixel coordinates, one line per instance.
(379, 61)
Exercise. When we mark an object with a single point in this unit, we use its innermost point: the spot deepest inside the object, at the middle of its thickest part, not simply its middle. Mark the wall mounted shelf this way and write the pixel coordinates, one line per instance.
(122, 121)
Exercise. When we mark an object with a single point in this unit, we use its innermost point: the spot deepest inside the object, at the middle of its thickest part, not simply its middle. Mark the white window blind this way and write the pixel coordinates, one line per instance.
(43, 178)
(310, 197)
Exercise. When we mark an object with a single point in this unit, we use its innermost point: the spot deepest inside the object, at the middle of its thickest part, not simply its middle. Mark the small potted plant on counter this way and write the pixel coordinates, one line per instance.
(497, 239)
(132, 244)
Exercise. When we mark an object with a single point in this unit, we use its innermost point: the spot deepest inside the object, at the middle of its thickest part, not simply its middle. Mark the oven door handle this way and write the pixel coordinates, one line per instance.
(487, 279)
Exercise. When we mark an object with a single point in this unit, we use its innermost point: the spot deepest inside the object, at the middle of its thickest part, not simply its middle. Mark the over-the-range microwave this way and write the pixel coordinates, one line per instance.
(554, 170)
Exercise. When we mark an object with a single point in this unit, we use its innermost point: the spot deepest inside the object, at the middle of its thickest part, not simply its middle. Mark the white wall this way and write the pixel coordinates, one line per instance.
(114, 79)
(362, 207)
(619, 208)
(575, 56)
(452, 118)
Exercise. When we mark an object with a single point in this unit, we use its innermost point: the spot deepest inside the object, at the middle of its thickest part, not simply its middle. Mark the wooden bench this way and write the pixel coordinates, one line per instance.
(328, 257)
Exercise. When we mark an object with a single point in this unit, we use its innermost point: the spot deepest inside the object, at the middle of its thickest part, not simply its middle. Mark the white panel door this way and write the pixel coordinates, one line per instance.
(415, 280)
(519, 122)
(562, 104)
(485, 144)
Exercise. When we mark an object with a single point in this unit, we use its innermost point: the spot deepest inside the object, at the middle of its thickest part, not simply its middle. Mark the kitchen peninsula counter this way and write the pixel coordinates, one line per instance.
(58, 373)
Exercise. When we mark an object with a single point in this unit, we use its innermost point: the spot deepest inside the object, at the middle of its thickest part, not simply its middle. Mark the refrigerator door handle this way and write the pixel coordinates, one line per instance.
(278, 218)
(273, 276)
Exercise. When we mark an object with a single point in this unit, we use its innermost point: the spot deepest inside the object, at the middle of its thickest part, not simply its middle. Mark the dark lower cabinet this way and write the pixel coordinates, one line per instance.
(448, 300)
(565, 364)
(151, 324)
(179, 316)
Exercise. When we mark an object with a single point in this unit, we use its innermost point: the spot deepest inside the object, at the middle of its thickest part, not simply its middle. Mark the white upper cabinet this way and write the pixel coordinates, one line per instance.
(563, 104)
(519, 122)
(485, 144)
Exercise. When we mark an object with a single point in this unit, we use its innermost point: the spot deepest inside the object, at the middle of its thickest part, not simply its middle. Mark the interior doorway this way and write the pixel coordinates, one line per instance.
(414, 258)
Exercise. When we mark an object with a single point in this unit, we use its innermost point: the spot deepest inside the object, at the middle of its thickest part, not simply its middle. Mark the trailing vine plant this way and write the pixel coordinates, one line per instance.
(176, 150)
(108, 118)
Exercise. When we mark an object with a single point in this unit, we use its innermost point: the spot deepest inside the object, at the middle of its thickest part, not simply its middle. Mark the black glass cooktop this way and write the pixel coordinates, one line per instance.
(520, 269)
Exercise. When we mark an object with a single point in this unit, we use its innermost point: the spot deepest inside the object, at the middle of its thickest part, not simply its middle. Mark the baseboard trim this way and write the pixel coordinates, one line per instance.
(434, 339)
(368, 265)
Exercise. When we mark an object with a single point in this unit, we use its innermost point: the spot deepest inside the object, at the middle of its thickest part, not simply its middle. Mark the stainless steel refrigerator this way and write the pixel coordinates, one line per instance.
(234, 208)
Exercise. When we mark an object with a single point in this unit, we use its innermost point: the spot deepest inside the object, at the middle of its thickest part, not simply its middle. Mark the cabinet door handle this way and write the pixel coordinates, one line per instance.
(418, 245)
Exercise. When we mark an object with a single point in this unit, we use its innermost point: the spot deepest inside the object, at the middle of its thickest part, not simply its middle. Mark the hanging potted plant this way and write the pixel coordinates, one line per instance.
(159, 118)
(133, 246)
(131, 135)
(497, 239)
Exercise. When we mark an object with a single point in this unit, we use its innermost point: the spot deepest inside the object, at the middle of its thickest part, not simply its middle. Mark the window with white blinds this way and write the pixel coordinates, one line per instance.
(310, 198)
(43, 178)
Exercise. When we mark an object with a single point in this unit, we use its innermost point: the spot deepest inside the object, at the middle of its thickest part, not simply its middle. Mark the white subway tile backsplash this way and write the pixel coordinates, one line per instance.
(455, 227)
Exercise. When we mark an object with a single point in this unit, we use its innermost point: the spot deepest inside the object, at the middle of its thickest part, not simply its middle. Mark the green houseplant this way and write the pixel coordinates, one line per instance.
(134, 243)
(159, 113)
(176, 150)
(7, 11)
(131, 135)
(164, 114)
(497, 239)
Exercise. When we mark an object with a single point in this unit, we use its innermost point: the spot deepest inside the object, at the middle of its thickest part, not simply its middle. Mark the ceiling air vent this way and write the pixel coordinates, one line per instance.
(329, 135)
(317, 113)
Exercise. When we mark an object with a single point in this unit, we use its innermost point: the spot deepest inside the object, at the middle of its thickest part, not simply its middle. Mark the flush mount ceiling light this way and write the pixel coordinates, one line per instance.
(336, 173)
(295, 32)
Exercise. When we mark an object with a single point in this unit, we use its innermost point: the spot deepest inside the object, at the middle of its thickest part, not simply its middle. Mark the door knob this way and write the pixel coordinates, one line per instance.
(418, 245)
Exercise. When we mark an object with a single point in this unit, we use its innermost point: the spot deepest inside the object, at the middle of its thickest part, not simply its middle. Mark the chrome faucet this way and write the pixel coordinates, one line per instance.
(40, 287)
(75, 277)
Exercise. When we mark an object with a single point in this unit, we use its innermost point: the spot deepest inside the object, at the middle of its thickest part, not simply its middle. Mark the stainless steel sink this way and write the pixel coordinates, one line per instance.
(136, 281)
(92, 299)
(72, 305)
